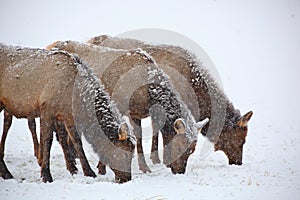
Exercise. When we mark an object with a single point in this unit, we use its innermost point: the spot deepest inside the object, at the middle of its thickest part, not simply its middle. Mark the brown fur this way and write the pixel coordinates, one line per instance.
(112, 67)
(225, 130)
(49, 99)
(42, 99)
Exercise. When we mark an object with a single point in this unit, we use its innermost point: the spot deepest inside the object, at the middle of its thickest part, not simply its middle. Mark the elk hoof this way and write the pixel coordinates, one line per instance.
(90, 173)
(47, 178)
(72, 169)
(6, 175)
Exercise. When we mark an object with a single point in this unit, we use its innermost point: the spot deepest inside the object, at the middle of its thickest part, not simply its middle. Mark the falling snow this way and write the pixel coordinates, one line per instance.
(249, 42)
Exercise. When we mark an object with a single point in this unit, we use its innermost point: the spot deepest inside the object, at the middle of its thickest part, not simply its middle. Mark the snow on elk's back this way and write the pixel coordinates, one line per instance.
(90, 53)
(213, 102)
(7, 53)
(197, 75)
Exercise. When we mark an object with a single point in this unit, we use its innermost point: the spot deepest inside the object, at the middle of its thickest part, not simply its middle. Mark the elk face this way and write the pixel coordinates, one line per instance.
(233, 138)
(121, 158)
(180, 146)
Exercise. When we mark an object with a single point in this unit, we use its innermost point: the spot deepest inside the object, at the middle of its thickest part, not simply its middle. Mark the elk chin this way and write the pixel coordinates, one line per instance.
(122, 177)
(235, 162)
(179, 166)
(177, 171)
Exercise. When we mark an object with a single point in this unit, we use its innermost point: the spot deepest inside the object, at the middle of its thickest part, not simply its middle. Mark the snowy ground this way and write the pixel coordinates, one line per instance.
(255, 46)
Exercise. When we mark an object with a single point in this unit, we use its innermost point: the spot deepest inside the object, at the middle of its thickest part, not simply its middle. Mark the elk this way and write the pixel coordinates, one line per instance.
(115, 68)
(53, 85)
(227, 128)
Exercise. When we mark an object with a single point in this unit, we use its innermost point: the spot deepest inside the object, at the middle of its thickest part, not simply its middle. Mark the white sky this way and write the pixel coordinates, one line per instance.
(235, 34)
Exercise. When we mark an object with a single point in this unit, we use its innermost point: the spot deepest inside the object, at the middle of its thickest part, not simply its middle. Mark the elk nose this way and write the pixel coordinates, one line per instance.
(177, 171)
(235, 162)
(239, 163)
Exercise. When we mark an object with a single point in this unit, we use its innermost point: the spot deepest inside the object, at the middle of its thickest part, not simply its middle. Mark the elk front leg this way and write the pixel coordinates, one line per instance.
(6, 127)
(46, 142)
(154, 147)
(63, 137)
(139, 146)
(76, 140)
(32, 128)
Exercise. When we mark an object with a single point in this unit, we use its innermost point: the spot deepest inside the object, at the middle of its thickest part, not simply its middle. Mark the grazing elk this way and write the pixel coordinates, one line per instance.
(227, 129)
(41, 83)
(115, 68)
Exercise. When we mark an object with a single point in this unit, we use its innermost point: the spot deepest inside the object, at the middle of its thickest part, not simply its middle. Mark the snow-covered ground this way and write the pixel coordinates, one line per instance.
(255, 46)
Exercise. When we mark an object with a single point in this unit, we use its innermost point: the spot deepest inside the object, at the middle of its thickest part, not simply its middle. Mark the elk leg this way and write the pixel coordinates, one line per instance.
(71, 148)
(167, 153)
(32, 128)
(46, 131)
(6, 127)
(154, 147)
(76, 140)
(4, 172)
(40, 152)
(139, 146)
(62, 137)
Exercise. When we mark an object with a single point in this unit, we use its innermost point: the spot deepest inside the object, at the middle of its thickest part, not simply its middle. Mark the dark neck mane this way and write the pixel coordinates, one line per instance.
(162, 92)
(213, 103)
(211, 99)
(107, 114)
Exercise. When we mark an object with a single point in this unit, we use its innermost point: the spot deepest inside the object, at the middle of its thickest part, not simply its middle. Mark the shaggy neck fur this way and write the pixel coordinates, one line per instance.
(209, 94)
(107, 114)
(161, 92)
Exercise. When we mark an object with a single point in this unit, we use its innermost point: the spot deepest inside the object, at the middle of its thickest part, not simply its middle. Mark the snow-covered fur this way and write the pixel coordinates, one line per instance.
(162, 92)
(60, 76)
(225, 129)
(113, 66)
(95, 115)
(177, 149)
(108, 115)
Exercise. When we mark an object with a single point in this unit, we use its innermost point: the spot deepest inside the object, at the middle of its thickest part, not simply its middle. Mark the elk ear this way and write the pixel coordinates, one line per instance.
(53, 45)
(123, 131)
(179, 126)
(243, 121)
(201, 124)
(98, 40)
